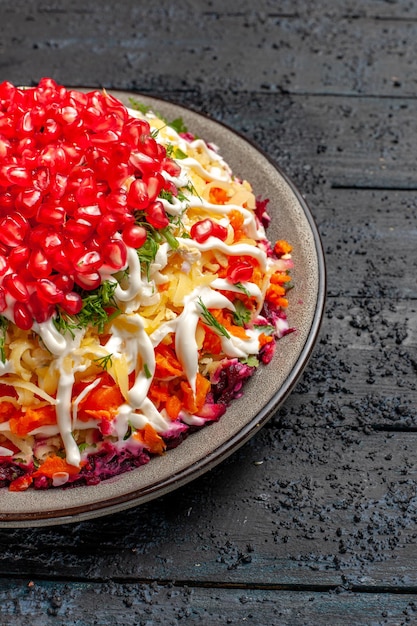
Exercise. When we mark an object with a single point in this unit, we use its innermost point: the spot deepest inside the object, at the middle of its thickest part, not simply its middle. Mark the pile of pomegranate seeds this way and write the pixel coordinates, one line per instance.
(77, 174)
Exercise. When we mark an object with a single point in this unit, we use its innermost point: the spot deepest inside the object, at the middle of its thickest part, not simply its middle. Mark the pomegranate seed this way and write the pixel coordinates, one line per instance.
(65, 282)
(134, 235)
(88, 262)
(90, 213)
(13, 230)
(28, 201)
(4, 265)
(19, 257)
(79, 230)
(88, 281)
(40, 309)
(138, 195)
(39, 265)
(16, 287)
(154, 186)
(60, 261)
(22, 317)
(3, 303)
(143, 162)
(71, 303)
(171, 167)
(115, 254)
(19, 176)
(156, 216)
(51, 215)
(107, 226)
(49, 291)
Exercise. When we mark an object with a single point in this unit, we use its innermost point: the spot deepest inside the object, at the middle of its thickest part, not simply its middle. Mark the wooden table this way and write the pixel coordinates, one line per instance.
(314, 521)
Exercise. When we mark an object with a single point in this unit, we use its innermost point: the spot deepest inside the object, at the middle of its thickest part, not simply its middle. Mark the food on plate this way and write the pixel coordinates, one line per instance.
(138, 289)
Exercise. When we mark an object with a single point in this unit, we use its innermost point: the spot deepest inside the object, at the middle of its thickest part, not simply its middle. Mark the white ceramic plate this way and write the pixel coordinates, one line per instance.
(264, 393)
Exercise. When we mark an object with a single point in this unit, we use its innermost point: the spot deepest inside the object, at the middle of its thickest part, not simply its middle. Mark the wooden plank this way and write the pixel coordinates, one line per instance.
(313, 506)
(44, 604)
(321, 47)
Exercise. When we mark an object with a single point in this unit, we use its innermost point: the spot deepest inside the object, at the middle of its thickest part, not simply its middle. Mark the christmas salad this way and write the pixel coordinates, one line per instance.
(138, 289)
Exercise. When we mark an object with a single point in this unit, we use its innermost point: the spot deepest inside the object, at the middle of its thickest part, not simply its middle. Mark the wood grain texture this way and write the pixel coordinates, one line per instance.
(314, 521)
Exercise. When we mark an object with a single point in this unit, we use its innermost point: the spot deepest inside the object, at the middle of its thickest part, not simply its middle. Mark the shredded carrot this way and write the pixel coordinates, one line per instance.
(218, 195)
(280, 278)
(282, 247)
(173, 407)
(21, 483)
(7, 410)
(211, 343)
(54, 464)
(264, 339)
(225, 319)
(30, 419)
(101, 398)
(167, 364)
(150, 439)
(236, 220)
(194, 404)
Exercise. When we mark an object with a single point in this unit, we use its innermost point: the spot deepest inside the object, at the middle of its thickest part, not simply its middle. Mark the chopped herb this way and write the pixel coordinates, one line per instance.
(94, 311)
(179, 154)
(147, 371)
(105, 361)
(166, 195)
(139, 106)
(4, 323)
(267, 329)
(171, 239)
(178, 125)
(210, 320)
(243, 289)
(85, 445)
(242, 314)
(147, 252)
(251, 360)
(128, 433)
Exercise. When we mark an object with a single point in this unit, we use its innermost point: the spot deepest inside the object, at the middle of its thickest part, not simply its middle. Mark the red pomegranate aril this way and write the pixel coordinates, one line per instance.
(19, 257)
(91, 214)
(88, 281)
(154, 186)
(47, 290)
(40, 309)
(18, 176)
(240, 271)
(114, 253)
(3, 303)
(51, 215)
(65, 282)
(39, 265)
(149, 146)
(144, 163)
(71, 303)
(4, 265)
(60, 262)
(28, 201)
(138, 195)
(73, 249)
(108, 225)
(86, 193)
(134, 235)
(88, 262)
(5, 147)
(13, 230)
(16, 287)
(156, 216)
(42, 179)
(68, 114)
(58, 186)
(6, 202)
(171, 167)
(79, 229)
(22, 316)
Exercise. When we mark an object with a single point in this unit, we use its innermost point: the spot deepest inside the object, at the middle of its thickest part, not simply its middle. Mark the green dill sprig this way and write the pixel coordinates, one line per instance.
(147, 371)
(243, 289)
(94, 311)
(241, 315)
(4, 323)
(177, 124)
(104, 361)
(210, 320)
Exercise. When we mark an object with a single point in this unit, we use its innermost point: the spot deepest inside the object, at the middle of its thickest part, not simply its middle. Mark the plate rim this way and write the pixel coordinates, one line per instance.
(191, 472)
